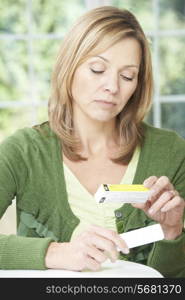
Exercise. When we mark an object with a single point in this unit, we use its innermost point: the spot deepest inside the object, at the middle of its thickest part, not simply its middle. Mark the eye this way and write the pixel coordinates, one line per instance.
(127, 78)
(97, 72)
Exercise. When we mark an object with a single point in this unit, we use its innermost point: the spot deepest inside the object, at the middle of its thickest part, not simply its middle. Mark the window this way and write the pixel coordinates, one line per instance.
(164, 23)
(30, 35)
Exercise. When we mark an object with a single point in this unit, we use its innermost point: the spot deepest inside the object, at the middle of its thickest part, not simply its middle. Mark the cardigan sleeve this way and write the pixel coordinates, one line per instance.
(17, 252)
(178, 159)
(168, 256)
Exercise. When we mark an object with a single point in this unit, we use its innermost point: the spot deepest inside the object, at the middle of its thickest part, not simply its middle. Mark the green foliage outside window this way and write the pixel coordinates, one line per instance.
(16, 83)
(25, 74)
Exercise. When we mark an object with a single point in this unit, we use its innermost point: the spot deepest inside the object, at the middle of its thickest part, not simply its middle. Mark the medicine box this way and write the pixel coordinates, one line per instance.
(126, 193)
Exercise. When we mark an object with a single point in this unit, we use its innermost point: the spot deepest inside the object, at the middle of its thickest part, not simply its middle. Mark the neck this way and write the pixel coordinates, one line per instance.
(96, 137)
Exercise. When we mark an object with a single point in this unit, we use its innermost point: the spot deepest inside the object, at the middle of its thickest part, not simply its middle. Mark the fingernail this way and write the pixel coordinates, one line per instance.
(150, 211)
(152, 192)
(125, 250)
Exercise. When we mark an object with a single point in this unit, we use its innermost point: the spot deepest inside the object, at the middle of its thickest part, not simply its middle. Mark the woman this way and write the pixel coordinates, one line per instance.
(101, 91)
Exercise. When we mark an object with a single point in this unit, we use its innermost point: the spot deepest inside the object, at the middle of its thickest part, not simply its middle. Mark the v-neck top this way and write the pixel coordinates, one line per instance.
(83, 203)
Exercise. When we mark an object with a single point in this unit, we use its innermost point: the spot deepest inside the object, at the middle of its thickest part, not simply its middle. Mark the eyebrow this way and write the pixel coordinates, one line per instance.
(126, 66)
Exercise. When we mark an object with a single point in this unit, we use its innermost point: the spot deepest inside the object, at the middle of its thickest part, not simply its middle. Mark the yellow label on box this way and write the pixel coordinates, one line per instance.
(125, 187)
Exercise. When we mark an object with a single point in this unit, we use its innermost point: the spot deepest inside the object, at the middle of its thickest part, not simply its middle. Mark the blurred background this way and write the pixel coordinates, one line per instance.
(30, 35)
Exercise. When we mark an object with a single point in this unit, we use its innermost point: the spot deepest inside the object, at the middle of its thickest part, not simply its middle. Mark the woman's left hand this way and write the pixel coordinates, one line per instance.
(165, 206)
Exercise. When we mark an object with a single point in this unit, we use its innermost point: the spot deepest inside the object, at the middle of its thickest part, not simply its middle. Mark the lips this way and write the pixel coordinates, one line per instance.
(105, 102)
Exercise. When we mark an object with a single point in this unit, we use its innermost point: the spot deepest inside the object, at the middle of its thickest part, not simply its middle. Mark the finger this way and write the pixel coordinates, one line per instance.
(96, 254)
(150, 181)
(163, 183)
(176, 193)
(176, 202)
(163, 199)
(112, 236)
(139, 205)
(105, 245)
(144, 206)
(92, 264)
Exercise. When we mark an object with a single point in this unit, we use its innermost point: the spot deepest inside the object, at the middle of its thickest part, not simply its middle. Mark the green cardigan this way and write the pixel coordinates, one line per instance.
(31, 170)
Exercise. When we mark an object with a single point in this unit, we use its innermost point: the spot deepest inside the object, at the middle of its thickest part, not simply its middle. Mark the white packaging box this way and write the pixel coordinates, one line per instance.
(126, 193)
(143, 236)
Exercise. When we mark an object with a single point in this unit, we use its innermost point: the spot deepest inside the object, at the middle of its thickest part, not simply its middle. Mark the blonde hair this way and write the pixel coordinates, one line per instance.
(93, 33)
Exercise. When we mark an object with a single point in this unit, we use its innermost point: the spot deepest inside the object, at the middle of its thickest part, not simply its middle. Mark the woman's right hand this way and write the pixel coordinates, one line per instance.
(88, 251)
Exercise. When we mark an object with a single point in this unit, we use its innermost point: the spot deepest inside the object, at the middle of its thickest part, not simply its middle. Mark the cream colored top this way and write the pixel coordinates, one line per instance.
(84, 205)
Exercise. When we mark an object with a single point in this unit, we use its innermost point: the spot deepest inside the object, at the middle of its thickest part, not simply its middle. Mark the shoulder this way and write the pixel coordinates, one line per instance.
(163, 154)
(28, 137)
(162, 137)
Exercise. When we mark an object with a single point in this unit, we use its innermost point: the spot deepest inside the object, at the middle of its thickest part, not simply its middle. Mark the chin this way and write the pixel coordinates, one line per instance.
(102, 117)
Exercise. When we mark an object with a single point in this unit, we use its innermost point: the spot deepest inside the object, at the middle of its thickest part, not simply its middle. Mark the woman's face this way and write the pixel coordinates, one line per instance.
(103, 84)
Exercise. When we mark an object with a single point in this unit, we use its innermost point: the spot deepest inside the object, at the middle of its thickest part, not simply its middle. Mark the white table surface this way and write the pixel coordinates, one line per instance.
(121, 269)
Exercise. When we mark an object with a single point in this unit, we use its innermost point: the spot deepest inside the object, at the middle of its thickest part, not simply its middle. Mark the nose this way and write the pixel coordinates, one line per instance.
(111, 84)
